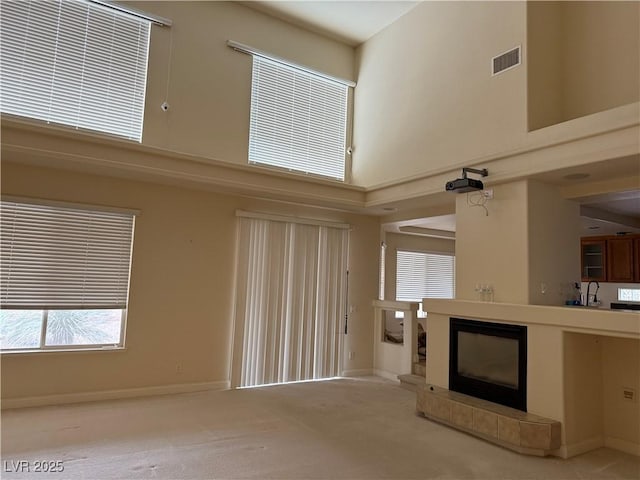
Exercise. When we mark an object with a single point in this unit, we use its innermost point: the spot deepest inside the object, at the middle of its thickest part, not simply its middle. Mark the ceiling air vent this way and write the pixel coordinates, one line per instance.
(506, 61)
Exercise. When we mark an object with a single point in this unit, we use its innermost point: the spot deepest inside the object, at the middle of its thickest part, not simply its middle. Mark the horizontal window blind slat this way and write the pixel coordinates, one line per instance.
(65, 307)
(63, 257)
(74, 63)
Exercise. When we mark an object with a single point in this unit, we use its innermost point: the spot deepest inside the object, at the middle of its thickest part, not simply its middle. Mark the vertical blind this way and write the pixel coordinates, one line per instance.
(298, 120)
(63, 258)
(290, 300)
(75, 63)
(424, 275)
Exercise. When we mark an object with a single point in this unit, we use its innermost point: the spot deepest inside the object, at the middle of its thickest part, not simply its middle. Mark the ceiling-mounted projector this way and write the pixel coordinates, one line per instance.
(464, 184)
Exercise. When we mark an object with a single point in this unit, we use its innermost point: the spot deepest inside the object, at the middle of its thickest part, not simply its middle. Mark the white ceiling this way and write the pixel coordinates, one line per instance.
(441, 222)
(350, 22)
(595, 226)
(622, 203)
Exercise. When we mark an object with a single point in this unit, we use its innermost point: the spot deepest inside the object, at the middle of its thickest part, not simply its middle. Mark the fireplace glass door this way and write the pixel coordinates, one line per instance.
(488, 358)
(488, 361)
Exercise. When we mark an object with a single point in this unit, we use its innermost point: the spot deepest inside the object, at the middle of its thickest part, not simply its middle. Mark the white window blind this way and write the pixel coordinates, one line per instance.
(424, 275)
(63, 258)
(298, 120)
(75, 63)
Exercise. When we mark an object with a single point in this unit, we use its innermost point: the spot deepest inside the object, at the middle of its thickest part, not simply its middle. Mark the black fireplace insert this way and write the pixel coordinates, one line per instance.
(489, 361)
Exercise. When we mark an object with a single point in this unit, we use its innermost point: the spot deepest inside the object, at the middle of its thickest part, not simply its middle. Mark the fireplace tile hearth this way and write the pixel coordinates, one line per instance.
(485, 422)
(508, 429)
(511, 428)
(462, 415)
(441, 408)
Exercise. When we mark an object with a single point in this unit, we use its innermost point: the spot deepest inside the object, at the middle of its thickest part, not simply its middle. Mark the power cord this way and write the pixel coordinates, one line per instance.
(477, 199)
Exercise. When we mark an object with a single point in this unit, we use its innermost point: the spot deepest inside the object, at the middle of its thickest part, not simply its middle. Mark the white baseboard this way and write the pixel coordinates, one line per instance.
(568, 451)
(571, 450)
(362, 372)
(81, 397)
(387, 375)
(622, 445)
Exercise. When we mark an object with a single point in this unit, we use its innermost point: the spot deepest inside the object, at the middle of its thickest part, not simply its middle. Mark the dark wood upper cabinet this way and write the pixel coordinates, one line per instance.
(593, 256)
(611, 258)
(620, 260)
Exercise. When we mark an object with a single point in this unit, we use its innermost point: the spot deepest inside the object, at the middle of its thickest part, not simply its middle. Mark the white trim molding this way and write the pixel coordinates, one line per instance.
(388, 375)
(357, 372)
(574, 449)
(81, 397)
(622, 445)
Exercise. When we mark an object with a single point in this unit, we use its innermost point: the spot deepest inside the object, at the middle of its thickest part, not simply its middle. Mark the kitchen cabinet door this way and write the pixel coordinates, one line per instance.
(593, 256)
(620, 260)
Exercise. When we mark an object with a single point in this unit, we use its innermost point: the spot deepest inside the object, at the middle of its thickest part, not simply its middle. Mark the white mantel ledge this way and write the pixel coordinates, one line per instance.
(597, 321)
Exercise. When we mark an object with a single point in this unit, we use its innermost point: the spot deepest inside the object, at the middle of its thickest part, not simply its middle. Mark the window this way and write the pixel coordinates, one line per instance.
(424, 275)
(74, 63)
(629, 294)
(64, 276)
(298, 120)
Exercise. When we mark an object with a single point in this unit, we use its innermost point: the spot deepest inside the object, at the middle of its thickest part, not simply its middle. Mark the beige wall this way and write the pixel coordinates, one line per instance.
(554, 245)
(207, 84)
(425, 97)
(545, 374)
(601, 56)
(621, 369)
(493, 249)
(583, 387)
(426, 100)
(544, 59)
(597, 369)
(527, 241)
(181, 294)
(584, 57)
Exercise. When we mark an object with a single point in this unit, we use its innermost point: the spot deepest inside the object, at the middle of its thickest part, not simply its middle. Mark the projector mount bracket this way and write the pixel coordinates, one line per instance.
(483, 172)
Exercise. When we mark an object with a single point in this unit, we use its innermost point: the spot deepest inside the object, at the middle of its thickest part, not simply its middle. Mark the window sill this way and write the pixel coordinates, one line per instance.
(62, 350)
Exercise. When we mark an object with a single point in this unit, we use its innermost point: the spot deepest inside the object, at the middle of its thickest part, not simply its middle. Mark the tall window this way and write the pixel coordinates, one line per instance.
(64, 276)
(74, 63)
(298, 120)
(290, 304)
(424, 275)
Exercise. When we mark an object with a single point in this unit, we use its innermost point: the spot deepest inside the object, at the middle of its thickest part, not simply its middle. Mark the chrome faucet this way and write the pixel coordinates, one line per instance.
(595, 295)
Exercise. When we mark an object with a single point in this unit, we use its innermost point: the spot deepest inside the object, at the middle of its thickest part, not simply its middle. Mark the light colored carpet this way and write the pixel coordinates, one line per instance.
(362, 428)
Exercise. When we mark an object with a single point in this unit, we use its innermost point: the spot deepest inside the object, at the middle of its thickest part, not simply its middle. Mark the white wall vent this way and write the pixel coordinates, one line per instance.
(505, 61)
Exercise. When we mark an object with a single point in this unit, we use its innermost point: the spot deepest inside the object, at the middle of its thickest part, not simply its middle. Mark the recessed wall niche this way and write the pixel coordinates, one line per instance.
(582, 57)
